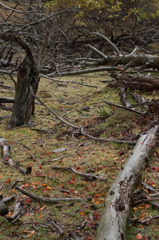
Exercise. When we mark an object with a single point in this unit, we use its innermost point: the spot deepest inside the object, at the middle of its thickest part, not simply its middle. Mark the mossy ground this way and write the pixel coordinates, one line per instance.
(80, 105)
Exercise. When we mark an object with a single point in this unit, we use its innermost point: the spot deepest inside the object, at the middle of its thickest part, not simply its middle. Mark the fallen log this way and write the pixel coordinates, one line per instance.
(113, 222)
(136, 82)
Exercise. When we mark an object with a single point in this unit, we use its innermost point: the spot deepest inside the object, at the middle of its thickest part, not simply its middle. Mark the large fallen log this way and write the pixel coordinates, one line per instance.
(113, 222)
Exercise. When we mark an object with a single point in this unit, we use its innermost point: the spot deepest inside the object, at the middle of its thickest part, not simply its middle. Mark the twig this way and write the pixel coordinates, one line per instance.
(126, 108)
(53, 160)
(12, 9)
(47, 200)
(85, 175)
(57, 227)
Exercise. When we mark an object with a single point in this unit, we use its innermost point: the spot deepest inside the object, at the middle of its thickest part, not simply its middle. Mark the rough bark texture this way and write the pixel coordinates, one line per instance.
(136, 82)
(23, 106)
(113, 222)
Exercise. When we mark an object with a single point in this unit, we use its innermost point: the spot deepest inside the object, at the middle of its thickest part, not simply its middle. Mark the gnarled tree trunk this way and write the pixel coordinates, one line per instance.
(23, 108)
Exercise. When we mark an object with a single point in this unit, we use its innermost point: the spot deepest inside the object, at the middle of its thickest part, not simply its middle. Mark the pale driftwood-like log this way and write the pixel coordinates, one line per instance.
(113, 222)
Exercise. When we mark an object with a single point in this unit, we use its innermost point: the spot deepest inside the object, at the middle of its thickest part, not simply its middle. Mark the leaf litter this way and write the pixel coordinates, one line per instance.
(59, 146)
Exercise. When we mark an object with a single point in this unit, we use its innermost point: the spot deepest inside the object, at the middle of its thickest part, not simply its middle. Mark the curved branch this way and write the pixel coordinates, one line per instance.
(112, 44)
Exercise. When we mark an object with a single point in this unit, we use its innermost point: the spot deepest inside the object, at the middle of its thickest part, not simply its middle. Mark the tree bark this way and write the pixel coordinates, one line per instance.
(113, 222)
(23, 107)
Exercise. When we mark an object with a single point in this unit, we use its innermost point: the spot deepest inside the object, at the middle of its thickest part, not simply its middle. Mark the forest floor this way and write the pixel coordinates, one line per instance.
(46, 143)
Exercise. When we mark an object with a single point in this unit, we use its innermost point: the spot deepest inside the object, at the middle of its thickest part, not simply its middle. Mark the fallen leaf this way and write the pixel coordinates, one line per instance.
(42, 208)
(82, 213)
(31, 234)
(138, 236)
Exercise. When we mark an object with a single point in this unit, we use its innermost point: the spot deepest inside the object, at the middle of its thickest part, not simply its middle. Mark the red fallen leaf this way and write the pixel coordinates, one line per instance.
(96, 216)
(40, 167)
(31, 165)
(8, 181)
(147, 206)
(153, 168)
(37, 173)
(60, 106)
(36, 137)
(49, 153)
(157, 169)
(78, 168)
(45, 190)
(28, 200)
(72, 181)
(103, 150)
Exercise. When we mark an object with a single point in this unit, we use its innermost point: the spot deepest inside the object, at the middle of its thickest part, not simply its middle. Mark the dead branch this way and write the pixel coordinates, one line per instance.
(47, 200)
(123, 97)
(110, 43)
(99, 69)
(85, 175)
(113, 221)
(126, 108)
(136, 82)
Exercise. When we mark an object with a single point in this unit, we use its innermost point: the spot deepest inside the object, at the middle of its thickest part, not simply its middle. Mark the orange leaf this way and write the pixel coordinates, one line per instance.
(25, 231)
(97, 195)
(0, 176)
(82, 213)
(42, 208)
(10, 214)
(44, 184)
(138, 236)
(147, 206)
(49, 187)
(31, 234)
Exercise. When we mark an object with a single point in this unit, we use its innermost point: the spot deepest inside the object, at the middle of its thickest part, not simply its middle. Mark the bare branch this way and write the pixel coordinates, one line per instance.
(47, 200)
(112, 44)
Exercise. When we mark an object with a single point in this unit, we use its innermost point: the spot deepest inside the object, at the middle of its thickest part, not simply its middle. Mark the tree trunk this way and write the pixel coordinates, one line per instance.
(113, 222)
(23, 107)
